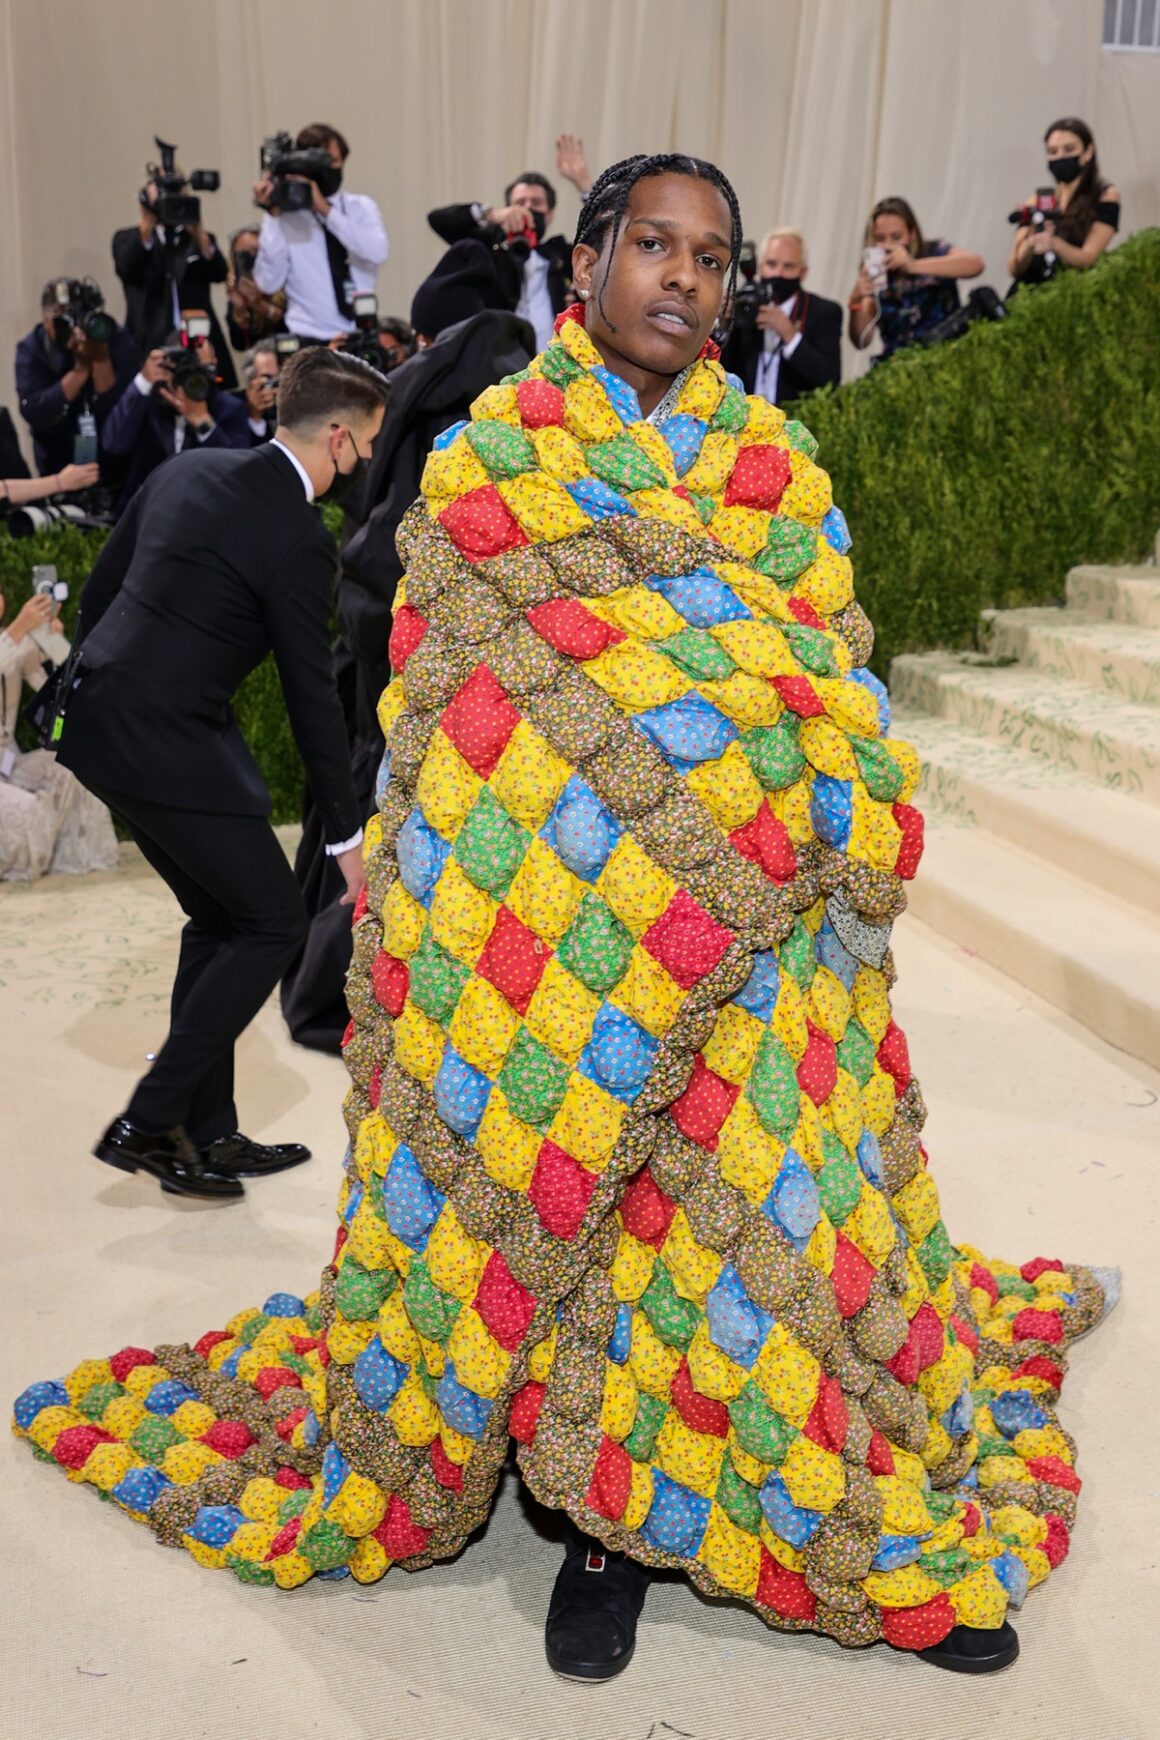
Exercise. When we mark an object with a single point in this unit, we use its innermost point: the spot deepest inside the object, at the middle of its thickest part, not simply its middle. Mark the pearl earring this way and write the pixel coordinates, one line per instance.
(584, 294)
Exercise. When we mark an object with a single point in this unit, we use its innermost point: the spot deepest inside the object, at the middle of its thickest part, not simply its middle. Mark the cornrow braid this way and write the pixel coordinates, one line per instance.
(603, 211)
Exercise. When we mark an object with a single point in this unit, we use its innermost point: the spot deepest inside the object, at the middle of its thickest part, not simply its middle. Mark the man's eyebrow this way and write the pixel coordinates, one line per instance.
(668, 224)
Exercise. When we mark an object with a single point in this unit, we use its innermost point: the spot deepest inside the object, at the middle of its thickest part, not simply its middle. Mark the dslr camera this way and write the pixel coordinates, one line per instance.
(981, 304)
(363, 342)
(186, 369)
(753, 292)
(173, 206)
(80, 307)
(1036, 212)
(520, 245)
(281, 158)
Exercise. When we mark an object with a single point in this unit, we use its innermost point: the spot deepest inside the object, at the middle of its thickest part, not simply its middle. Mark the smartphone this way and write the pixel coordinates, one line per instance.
(874, 261)
(85, 445)
(1045, 200)
(45, 582)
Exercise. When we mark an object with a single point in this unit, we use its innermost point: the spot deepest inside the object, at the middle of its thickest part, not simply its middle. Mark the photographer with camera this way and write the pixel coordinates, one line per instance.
(1074, 219)
(533, 270)
(219, 561)
(250, 314)
(261, 367)
(173, 404)
(318, 243)
(48, 821)
(785, 341)
(70, 371)
(907, 285)
(168, 260)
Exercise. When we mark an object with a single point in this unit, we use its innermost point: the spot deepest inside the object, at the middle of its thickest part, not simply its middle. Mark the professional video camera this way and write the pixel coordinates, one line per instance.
(79, 307)
(754, 292)
(363, 342)
(173, 207)
(280, 158)
(981, 304)
(519, 245)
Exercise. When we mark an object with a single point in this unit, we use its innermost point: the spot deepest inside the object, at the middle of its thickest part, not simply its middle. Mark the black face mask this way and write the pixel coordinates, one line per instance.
(1064, 168)
(346, 484)
(782, 289)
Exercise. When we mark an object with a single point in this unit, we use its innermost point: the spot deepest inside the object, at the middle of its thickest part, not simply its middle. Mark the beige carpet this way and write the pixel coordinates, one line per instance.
(1044, 1141)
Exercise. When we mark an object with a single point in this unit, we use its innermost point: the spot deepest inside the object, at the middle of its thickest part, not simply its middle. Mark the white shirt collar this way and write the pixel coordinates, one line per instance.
(298, 466)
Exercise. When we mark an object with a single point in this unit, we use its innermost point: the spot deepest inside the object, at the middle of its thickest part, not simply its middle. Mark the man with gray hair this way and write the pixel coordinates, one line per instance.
(261, 366)
(794, 344)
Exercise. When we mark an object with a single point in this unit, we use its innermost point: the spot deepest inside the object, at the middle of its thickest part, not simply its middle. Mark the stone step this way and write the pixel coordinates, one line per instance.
(1062, 816)
(1087, 953)
(1116, 742)
(1123, 594)
(1101, 654)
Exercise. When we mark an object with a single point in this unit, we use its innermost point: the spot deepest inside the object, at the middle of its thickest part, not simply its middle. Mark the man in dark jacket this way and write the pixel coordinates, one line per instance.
(219, 561)
(157, 417)
(533, 269)
(795, 342)
(164, 271)
(474, 346)
(67, 389)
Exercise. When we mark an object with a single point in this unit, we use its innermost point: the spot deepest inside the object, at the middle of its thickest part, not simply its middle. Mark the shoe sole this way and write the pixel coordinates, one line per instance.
(261, 1171)
(588, 1676)
(966, 1664)
(104, 1152)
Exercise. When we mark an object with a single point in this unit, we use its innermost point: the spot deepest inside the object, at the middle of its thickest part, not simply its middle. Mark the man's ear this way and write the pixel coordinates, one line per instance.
(584, 260)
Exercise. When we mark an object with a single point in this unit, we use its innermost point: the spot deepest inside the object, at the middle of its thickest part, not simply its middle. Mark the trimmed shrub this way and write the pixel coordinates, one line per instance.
(977, 473)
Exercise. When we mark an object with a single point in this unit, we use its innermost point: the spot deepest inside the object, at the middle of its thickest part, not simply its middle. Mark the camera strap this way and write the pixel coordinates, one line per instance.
(339, 262)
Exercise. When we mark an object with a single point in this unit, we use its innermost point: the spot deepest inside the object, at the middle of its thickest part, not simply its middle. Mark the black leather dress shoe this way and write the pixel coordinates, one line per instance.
(966, 1650)
(237, 1156)
(171, 1158)
(596, 1602)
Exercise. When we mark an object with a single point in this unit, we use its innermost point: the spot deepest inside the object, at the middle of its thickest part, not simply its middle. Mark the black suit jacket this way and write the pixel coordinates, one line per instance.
(457, 223)
(146, 275)
(40, 367)
(817, 361)
(219, 560)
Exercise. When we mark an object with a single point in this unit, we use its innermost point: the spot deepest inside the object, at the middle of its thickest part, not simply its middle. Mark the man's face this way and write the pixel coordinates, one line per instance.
(332, 146)
(394, 352)
(532, 198)
(265, 369)
(659, 299)
(782, 259)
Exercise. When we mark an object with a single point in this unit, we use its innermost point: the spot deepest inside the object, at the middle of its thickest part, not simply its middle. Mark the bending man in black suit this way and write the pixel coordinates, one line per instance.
(796, 343)
(219, 560)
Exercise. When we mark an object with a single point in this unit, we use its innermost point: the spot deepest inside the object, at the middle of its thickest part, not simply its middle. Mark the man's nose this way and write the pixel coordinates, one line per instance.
(682, 271)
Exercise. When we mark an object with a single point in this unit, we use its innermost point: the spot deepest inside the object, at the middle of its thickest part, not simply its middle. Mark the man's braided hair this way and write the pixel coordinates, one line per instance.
(603, 211)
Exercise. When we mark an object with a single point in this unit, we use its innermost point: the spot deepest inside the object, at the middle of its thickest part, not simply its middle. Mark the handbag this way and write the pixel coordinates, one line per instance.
(44, 711)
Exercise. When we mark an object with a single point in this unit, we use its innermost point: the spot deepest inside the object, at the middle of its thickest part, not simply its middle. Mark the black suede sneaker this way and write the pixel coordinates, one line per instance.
(237, 1156)
(168, 1156)
(597, 1599)
(966, 1650)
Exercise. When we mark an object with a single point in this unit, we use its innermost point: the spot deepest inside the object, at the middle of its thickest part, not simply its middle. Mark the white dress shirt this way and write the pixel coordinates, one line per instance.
(304, 477)
(292, 256)
(769, 364)
(535, 303)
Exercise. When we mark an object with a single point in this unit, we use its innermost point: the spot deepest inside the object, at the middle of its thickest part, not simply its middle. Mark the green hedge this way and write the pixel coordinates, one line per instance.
(977, 473)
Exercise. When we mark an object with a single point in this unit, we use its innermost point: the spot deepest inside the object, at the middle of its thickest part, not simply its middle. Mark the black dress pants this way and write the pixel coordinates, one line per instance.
(245, 921)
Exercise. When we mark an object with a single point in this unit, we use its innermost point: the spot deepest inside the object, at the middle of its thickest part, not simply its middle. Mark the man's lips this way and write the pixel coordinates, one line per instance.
(671, 317)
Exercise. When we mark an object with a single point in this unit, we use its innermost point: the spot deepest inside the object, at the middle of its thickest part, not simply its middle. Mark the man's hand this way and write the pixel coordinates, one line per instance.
(513, 220)
(772, 318)
(202, 241)
(571, 162)
(34, 613)
(263, 188)
(71, 477)
(900, 260)
(195, 411)
(146, 220)
(354, 874)
(78, 375)
(319, 199)
(155, 368)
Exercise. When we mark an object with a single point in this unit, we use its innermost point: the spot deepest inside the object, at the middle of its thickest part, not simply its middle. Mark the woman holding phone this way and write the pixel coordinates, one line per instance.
(907, 284)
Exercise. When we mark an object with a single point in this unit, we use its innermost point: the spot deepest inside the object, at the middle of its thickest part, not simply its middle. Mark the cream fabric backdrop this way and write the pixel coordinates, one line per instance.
(814, 109)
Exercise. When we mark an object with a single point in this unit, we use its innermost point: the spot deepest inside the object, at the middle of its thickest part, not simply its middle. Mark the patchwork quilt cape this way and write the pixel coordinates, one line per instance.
(635, 1173)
